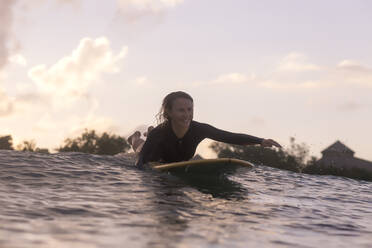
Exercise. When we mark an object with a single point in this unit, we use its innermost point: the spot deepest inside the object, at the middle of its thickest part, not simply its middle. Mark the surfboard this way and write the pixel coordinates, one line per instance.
(203, 166)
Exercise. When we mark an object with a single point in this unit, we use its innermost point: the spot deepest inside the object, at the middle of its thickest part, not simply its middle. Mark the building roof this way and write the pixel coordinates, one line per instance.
(339, 155)
(338, 147)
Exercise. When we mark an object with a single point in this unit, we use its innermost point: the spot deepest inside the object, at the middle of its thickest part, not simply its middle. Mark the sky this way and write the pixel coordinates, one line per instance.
(271, 68)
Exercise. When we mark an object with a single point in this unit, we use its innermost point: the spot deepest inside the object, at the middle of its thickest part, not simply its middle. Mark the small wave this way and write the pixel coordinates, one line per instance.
(71, 211)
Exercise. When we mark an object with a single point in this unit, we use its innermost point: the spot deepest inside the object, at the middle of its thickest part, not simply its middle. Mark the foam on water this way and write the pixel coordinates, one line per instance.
(81, 200)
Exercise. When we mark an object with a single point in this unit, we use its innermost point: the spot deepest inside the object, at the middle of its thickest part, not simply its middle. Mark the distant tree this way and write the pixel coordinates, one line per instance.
(293, 159)
(299, 151)
(30, 146)
(90, 142)
(27, 146)
(317, 168)
(6, 143)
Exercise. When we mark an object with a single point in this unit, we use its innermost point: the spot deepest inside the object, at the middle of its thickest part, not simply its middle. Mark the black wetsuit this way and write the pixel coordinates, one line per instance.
(162, 145)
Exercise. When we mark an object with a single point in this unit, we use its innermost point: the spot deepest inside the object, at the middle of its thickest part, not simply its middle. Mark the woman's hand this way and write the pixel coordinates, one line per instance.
(270, 143)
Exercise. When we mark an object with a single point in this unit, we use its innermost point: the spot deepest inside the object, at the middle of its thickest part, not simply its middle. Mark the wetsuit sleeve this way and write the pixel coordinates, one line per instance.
(228, 137)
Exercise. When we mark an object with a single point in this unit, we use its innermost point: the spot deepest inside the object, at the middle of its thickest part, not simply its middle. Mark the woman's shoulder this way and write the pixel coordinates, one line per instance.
(159, 130)
(201, 127)
(199, 124)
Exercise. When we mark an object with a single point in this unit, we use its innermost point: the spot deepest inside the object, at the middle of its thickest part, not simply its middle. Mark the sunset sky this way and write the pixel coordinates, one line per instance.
(270, 68)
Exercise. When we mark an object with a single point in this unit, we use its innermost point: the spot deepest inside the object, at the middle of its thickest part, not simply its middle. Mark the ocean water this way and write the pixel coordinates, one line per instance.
(82, 200)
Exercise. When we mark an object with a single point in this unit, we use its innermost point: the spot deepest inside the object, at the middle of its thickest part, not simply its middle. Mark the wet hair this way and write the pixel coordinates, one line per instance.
(162, 117)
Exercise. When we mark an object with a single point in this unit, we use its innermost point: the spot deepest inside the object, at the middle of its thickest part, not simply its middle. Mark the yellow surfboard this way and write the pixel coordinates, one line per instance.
(218, 165)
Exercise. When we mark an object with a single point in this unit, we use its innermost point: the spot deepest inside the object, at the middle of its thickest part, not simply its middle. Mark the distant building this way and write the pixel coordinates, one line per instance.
(340, 156)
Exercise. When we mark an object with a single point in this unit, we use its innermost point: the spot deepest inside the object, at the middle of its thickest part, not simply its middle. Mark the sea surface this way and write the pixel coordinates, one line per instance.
(82, 200)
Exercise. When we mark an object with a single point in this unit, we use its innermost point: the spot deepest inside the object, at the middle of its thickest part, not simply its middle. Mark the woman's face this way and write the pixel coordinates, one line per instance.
(182, 112)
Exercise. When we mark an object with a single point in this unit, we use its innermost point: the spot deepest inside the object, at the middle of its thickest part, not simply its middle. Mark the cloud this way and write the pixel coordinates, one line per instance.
(296, 62)
(280, 85)
(72, 75)
(354, 73)
(6, 104)
(235, 78)
(6, 19)
(228, 79)
(18, 59)
(134, 9)
(26, 101)
(58, 100)
(140, 81)
(353, 66)
(295, 73)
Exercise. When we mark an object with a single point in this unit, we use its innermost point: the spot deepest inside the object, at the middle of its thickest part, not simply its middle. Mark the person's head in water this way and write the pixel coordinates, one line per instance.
(177, 108)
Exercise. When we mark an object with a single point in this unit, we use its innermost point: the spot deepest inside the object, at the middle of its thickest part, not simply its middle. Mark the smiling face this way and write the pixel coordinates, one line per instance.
(181, 112)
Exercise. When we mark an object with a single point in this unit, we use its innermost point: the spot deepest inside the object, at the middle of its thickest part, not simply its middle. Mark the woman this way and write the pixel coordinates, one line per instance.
(177, 136)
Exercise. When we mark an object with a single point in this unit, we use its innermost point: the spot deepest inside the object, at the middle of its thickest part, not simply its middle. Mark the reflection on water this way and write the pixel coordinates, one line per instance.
(217, 187)
(80, 200)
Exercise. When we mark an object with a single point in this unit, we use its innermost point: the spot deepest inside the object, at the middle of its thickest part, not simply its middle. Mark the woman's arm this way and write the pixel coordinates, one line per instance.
(235, 138)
